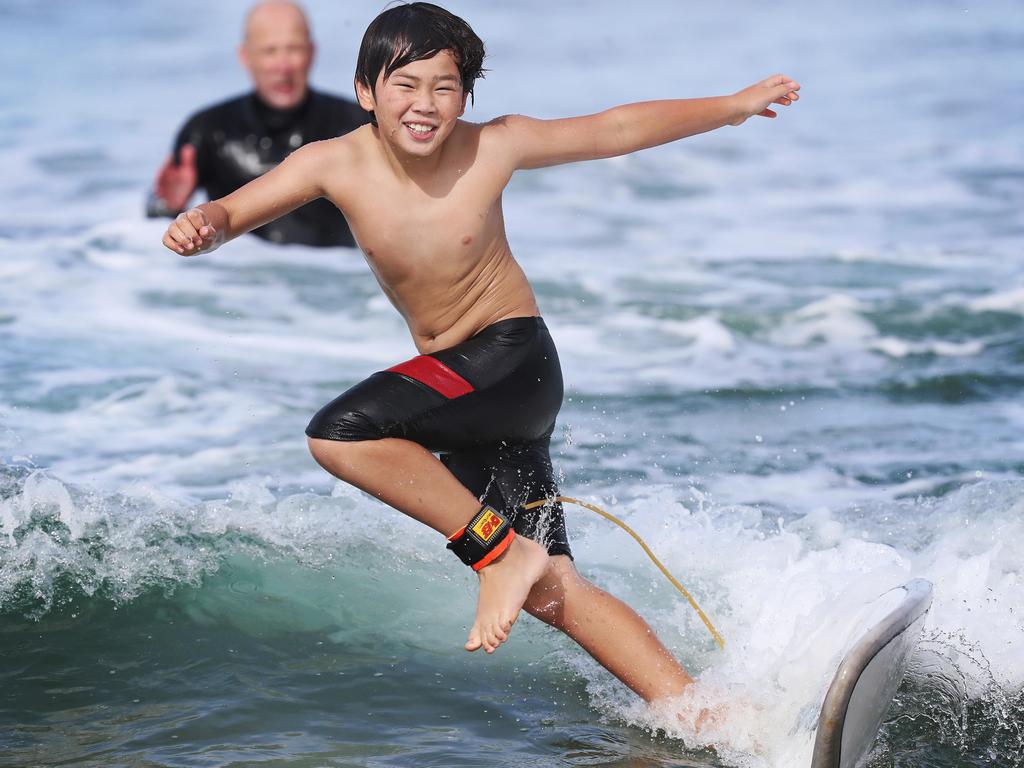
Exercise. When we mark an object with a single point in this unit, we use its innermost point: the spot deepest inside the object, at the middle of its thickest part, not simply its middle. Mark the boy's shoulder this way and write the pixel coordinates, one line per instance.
(508, 129)
(346, 148)
(503, 125)
(499, 131)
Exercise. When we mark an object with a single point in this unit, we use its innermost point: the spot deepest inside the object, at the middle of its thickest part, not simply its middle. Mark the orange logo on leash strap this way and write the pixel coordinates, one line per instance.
(487, 526)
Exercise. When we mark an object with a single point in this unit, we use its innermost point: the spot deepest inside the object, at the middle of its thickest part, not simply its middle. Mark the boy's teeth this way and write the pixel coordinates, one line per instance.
(419, 128)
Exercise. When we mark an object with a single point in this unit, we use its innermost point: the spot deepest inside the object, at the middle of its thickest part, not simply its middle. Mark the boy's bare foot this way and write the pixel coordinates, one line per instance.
(728, 721)
(504, 587)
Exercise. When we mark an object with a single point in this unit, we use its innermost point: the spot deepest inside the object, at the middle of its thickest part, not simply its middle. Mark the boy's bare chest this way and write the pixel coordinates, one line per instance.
(411, 233)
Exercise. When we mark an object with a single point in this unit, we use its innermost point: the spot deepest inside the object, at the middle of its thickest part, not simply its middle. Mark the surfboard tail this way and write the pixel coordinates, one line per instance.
(867, 680)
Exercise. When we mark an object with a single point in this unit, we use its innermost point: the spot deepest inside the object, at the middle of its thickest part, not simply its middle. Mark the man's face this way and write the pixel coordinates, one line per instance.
(418, 106)
(278, 53)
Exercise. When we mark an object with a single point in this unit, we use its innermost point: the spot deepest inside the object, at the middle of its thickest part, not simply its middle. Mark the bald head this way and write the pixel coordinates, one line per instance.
(272, 14)
(277, 50)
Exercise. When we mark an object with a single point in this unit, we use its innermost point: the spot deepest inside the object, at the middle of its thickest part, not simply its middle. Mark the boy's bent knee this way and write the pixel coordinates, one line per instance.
(329, 453)
(320, 449)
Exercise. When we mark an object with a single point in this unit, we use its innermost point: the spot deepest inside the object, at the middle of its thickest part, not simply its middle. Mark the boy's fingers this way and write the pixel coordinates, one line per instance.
(185, 225)
(185, 239)
(785, 95)
(177, 235)
(786, 86)
(170, 243)
(767, 113)
(178, 248)
(197, 218)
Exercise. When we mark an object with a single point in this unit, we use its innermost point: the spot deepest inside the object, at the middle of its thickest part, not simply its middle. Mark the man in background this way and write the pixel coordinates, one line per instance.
(229, 144)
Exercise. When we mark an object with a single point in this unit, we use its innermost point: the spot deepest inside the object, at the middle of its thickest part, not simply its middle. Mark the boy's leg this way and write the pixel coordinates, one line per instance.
(502, 385)
(402, 474)
(409, 478)
(608, 629)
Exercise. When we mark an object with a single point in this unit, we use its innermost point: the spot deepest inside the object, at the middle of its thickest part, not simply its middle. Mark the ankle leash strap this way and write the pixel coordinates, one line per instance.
(482, 539)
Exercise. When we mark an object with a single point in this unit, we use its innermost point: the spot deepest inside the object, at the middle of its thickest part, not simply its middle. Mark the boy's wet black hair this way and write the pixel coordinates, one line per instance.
(408, 33)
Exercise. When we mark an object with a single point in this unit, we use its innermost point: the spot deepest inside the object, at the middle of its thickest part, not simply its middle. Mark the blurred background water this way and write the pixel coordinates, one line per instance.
(793, 354)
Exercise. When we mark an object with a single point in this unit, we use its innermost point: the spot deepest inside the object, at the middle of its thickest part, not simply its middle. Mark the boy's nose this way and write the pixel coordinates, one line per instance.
(424, 102)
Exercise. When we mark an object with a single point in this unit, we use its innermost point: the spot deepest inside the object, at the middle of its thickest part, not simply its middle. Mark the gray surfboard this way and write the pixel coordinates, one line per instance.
(867, 680)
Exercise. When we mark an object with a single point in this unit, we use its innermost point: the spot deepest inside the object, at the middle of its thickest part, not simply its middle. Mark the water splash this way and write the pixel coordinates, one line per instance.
(954, 701)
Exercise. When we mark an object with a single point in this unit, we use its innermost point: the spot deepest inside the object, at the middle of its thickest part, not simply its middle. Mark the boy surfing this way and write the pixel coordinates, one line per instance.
(458, 437)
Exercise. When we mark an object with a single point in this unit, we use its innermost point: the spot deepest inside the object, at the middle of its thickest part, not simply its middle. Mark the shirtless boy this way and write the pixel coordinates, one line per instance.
(421, 190)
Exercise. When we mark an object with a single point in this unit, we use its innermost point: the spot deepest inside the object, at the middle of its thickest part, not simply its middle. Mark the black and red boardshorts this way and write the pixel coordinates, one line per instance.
(487, 406)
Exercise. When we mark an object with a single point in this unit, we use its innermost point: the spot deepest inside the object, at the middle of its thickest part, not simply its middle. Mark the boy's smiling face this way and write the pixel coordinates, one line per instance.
(418, 105)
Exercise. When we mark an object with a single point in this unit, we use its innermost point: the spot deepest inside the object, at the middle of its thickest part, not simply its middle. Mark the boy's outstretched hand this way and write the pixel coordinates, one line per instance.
(192, 232)
(777, 89)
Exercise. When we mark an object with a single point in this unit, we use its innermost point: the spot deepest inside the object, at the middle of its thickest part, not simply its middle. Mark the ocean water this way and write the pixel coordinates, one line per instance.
(793, 354)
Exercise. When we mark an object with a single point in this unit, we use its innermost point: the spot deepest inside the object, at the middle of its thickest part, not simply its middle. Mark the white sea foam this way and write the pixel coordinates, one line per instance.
(900, 348)
(1000, 301)
(791, 602)
(835, 320)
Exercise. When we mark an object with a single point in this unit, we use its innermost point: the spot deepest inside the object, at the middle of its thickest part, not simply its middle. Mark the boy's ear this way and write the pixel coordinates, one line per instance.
(365, 96)
(464, 97)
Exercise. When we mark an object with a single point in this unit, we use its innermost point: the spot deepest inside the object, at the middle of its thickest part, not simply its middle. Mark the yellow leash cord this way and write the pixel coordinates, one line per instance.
(657, 562)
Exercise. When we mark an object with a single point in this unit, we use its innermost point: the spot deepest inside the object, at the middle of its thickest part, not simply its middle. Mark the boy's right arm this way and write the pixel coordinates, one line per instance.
(296, 181)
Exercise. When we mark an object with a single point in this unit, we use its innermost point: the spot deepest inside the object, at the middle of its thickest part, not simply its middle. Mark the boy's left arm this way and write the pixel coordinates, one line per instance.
(625, 129)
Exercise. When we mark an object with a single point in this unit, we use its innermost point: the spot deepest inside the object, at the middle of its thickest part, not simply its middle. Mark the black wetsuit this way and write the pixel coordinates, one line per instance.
(487, 405)
(242, 138)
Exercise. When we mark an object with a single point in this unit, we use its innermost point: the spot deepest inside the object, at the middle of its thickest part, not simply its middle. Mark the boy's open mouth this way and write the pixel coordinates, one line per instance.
(421, 131)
